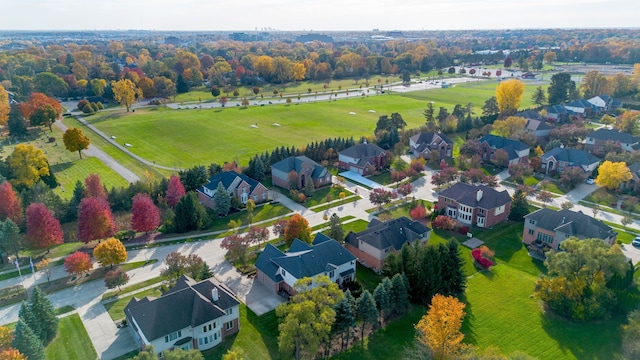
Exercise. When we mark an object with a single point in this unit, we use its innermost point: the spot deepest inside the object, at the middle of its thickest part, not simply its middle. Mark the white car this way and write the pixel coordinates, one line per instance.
(636, 242)
(591, 181)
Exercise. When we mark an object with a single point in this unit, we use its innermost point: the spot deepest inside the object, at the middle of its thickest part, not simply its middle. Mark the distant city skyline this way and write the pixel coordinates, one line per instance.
(315, 15)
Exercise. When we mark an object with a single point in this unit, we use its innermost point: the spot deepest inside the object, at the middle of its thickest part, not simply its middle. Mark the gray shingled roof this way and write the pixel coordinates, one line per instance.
(359, 151)
(227, 178)
(189, 303)
(571, 222)
(573, 157)
(304, 260)
(466, 194)
(613, 135)
(499, 142)
(295, 163)
(393, 233)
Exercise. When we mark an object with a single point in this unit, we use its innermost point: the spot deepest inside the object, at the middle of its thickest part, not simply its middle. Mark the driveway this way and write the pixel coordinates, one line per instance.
(360, 179)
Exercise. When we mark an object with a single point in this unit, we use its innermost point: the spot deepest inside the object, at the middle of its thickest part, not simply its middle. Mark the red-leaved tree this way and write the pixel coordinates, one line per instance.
(175, 190)
(145, 215)
(444, 222)
(10, 206)
(93, 187)
(43, 229)
(405, 189)
(77, 263)
(95, 220)
(418, 212)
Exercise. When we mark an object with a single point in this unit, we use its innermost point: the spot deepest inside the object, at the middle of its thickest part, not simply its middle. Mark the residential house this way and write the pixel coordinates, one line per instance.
(279, 271)
(556, 113)
(604, 103)
(373, 245)
(475, 205)
(239, 186)
(580, 107)
(517, 151)
(536, 124)
(305, 170)
(560, 158)
(598, 139)
(191, 315)
(634, 183)
(362, 159)
(431, 146)
(546, 229)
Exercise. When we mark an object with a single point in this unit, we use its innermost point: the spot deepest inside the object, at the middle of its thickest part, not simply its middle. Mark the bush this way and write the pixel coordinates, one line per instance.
(463, 230)
(82, 103)
(418, 212)
(479, 259)
(100, 106)
(444, 222)
(88, 109)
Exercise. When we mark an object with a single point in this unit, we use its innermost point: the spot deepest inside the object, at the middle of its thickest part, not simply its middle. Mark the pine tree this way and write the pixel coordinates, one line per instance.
(382, 295)
(45, 314)
(29, 318)
(367, 311)
(222, 201)
(72, 209)
(453, 272)
(399, 293)
(345, 317)
(519, 206)
(190, 214)
(336, 231)
(27, 342)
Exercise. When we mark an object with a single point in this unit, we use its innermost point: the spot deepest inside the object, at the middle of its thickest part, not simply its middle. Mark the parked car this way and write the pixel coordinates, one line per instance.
(591, 181)
(636, 241)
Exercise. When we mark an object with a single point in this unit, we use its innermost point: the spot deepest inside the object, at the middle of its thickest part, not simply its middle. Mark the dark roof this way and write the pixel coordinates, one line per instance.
(580, 103)
(320, 238)
(359, 151)
(228, 178)
(512, 147)
(304, 260)
(635, 169)
(533, 125)
(574, 157)
(529, 114)
(571, 222)
(466, 194)
(556, 109)
(393, 233)
(295, 163)
(188, 304)
(613, 135)
(427, 137)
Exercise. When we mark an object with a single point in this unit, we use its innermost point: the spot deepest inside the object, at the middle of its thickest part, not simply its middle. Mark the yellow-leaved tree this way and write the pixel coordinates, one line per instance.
(612, 174)
(110, 252)
(512, 127)
(439, 329)
(125, 92)
(509, 94)
(4, 106)
(28, 165)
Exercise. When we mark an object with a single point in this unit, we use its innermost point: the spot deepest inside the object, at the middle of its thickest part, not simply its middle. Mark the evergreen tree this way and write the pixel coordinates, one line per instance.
(27, 342)
(29, 318)
(345, 317)
(15, 123)
(222, 201)
(181, 85)
(519, 206)
(382, 295)
(42, 309)
(367, 311)
(429, 116)
(336, 231)
(399, 293)
(206, 272)
(454, 279)
(538, 97)
(72, 209)
(189, 213)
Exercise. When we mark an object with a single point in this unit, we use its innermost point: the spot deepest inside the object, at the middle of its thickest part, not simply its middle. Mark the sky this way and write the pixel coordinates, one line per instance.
(316, 15)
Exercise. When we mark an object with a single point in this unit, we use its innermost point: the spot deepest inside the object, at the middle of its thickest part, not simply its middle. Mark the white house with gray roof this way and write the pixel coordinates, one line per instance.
(560, 158)
(279, 271)
(598, 139)
(191, 315)
(546, 229)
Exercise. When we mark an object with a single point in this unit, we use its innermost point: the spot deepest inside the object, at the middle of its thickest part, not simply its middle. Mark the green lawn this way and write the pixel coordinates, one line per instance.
(258, 337)
(116, 308)
(260, 213)
(192, 130)
(502, 313)
(72, 341)
(367, 278)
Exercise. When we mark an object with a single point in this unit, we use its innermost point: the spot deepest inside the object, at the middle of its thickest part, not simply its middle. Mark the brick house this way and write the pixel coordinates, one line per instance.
(517, 151)
(239, 186)
(545, 229)
(305, 169)
(431, 146)
(602, 137)
(279, 271)
(475, 205)
(360, 158)
(373, 245)
(191, 315)
(560, 158)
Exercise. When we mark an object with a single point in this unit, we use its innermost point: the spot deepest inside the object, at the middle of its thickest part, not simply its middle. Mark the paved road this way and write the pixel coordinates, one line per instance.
(105, 158)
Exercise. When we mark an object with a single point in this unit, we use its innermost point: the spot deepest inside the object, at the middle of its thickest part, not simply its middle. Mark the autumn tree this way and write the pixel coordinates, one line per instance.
(175, 191)
(43, 229)
(10, 205)
(4, 106)
(77, 263)
(95, 220)
(628, 122)
(612, 174)
(44, 115)
(116, 278)
(110, 252)
(45, 266)
(297, 228)
(237, 247)
(594, 83)
(257, 235)
(509, 95)
(75, 140)
(28, 165)
(380, 196)
(307, 319)
(93, 187)
(125, 92)
(147, 87)
(439, 329)
(145, 214)
(512, 127)
(37, 100)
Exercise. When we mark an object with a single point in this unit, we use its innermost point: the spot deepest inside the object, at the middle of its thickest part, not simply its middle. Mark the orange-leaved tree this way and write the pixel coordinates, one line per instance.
(297, 227)
(439, 329)
(110, 252)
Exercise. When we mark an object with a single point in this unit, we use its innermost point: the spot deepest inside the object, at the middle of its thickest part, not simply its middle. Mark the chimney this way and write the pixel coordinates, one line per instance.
(214, 294)
(479, 195)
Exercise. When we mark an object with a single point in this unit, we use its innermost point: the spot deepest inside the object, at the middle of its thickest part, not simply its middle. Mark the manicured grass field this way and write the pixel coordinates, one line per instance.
(200, 136)
(72, 341)
(502, 313)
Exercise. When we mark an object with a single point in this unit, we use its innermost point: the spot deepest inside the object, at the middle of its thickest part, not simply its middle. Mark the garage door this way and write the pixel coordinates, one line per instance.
(355, 170)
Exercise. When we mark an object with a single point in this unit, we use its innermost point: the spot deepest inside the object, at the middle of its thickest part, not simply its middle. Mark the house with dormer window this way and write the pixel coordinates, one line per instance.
(475, 205)
(431, 146)
(279, 271)
(191, 315)
(239, 186)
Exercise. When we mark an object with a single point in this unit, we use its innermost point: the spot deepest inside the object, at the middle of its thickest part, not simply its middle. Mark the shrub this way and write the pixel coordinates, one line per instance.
(418, 212)
(444, 222)
(101, 107)
(479, 259)
(88, 109)
(82, 103)
(463, 230)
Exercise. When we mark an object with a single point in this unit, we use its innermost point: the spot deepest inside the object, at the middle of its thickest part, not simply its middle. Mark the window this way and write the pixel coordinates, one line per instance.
(206, 340)
(531, 221)
(264, 196)
(200, 341)
(215, 336)
(545, 237)
(172, 336)
(531, 231)
(204, 329)
(283, 273)
(331, 273)
(255, 197)
(229, 311)
(229, 325)
(209, 327)
(214, 325)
